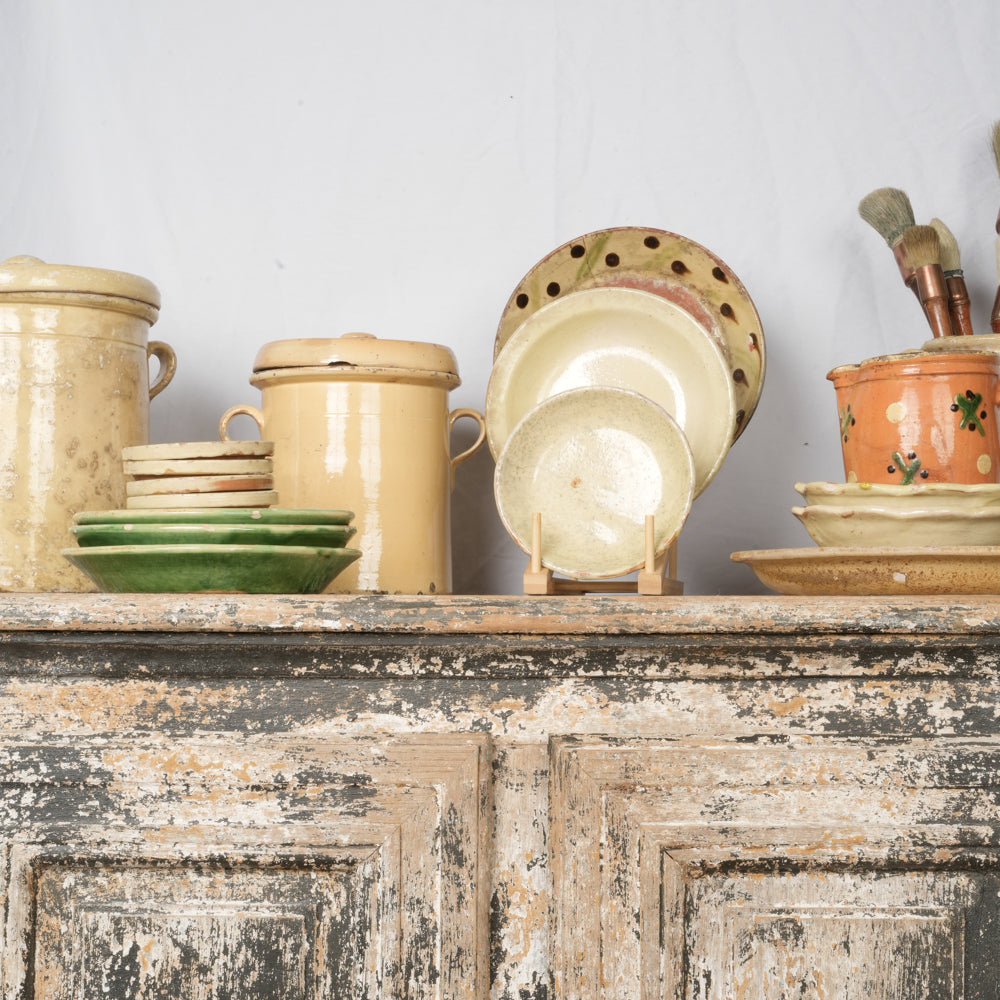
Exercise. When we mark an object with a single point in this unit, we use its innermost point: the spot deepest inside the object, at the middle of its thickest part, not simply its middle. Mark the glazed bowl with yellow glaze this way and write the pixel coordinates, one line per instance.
(945, 497)
(843, 526)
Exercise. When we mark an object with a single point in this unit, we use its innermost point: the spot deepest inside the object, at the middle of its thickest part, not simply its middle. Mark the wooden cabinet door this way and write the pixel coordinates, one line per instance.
(226, 869)
(806, 869)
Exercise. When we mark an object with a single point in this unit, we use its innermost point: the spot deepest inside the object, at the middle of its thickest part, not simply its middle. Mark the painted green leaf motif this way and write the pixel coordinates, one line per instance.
(846, 421)
(909, 469)
(969, 404)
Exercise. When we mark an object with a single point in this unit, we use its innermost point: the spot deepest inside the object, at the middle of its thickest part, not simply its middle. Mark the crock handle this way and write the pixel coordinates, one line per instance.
(164, 354)
(479, 419)
(235, 411)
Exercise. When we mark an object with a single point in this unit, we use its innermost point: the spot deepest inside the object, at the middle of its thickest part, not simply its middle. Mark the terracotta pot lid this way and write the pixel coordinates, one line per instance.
(29, 275)
(356, 350)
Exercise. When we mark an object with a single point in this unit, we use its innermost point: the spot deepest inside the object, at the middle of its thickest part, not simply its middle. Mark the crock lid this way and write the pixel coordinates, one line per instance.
(26, 274)
(916, 361)
(361, 350)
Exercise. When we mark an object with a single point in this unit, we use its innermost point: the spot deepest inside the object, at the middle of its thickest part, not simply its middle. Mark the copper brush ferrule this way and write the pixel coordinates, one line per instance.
(933, 293)
(995, 315)
(923, 254)
(958, 295)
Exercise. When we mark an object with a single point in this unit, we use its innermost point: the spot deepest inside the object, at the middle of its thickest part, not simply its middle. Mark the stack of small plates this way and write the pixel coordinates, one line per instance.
(876, 538)
(213, 549)
(200, 517)
(625, 365)
(199, 474)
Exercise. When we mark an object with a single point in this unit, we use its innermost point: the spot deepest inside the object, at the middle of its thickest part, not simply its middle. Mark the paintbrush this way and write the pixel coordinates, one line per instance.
(923, 253)
(888, 211)
(959, 305)
(995, 315)
(995, 139)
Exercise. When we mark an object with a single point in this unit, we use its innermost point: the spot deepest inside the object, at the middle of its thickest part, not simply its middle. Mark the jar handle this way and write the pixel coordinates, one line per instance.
(164, 354)
(235, 411)
(456, 415)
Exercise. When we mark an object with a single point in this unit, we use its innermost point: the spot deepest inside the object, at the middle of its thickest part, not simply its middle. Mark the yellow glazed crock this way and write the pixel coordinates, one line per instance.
(74, 391)
(363, 424)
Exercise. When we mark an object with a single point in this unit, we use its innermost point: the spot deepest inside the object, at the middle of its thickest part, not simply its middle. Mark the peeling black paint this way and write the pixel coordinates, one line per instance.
(120, 976)
(87, 698)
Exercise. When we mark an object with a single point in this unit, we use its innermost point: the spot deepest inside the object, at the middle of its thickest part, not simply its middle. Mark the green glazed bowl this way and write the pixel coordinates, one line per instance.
(217, 569)
(214, 515)
(325, 536)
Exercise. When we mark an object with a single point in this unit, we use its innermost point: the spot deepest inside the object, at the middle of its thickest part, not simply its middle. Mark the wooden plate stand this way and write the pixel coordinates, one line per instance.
(656, 578)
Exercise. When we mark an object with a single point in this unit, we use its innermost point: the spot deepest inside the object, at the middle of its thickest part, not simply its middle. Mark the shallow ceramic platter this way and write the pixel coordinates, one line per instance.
(330, 536)
(198, 449)
(246, 569)
(625, 339)
(852, 572)
(917, 496)
(220, 515)
(146, 468)
(594, 463)
(159, 485)
(248, 498)
(835, 525)
(665, 264)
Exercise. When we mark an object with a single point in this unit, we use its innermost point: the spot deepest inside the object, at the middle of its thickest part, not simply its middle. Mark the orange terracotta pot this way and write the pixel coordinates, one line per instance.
(920, 417)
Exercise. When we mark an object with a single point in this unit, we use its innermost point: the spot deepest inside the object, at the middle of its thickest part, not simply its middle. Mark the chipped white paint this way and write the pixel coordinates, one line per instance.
(577, 797)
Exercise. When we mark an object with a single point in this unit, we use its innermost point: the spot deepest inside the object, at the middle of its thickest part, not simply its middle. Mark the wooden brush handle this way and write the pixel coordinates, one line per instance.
(905, 271)
(995, 315)
(959, 306)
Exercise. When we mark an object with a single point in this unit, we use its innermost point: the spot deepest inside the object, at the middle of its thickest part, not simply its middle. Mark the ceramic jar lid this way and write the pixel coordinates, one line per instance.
(915, 362)
(28, 276)
(360, 353)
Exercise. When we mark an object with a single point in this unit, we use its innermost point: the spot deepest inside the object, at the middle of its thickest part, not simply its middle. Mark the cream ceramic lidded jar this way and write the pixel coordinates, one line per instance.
(74, 391)
(364, 424)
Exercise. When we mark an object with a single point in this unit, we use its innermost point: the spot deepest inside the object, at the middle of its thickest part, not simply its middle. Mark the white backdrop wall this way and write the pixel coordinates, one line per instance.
(304, 169)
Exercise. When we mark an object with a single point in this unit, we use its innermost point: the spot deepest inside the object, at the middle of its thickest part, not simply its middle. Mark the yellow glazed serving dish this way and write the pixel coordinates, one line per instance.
(949, 497)
(859, 572)
(837, 525)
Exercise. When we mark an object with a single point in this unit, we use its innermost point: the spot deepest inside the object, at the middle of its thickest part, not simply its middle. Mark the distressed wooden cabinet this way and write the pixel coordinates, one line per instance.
(570, 797)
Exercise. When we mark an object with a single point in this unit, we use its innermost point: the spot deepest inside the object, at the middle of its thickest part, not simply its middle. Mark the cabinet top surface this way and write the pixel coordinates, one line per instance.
(496, 615)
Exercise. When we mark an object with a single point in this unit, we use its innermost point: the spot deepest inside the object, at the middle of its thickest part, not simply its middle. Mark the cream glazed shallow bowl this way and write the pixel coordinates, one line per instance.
(594, 463)
(946, 497)
(843, 526)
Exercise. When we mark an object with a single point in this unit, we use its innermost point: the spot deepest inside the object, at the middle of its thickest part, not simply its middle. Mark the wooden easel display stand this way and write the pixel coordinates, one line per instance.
(656, 578)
